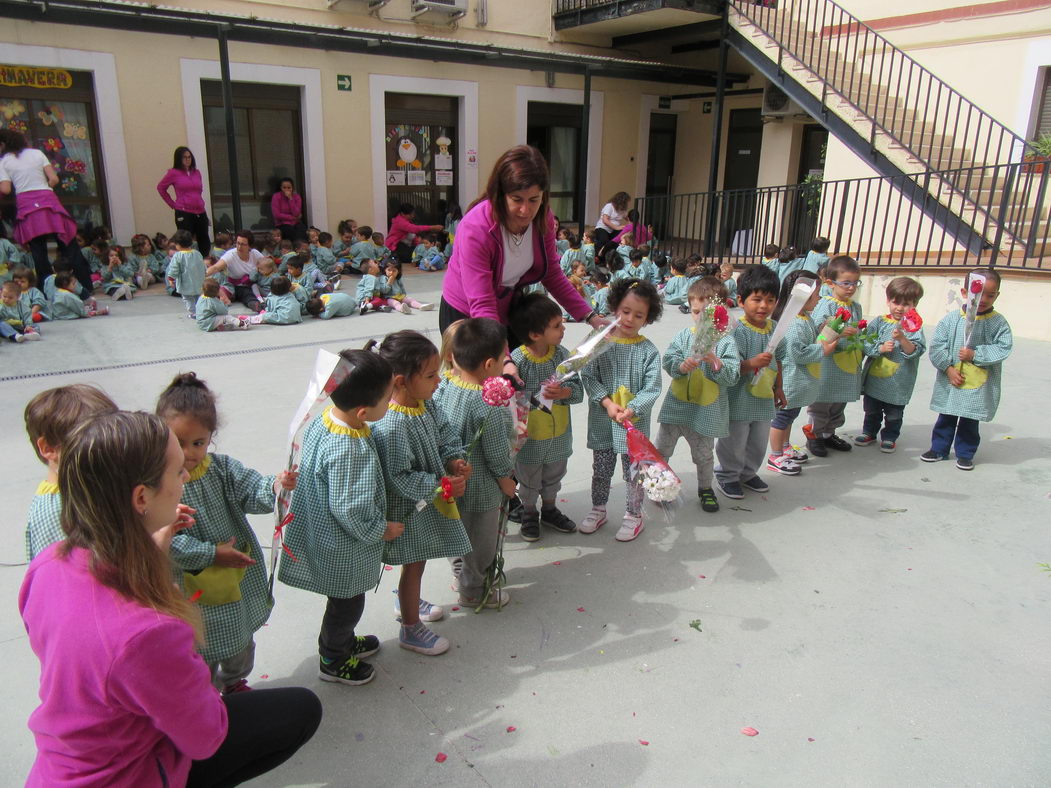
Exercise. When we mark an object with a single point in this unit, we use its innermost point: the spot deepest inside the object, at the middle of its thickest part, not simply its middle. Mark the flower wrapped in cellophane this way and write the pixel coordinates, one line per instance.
(594, 345)
(713, 323)
(660, 483)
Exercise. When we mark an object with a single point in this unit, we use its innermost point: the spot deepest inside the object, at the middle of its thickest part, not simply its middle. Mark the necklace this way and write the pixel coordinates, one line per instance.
(516, 238)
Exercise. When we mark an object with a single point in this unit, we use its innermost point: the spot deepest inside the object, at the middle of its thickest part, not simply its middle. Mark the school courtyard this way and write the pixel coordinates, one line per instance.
(879, 621)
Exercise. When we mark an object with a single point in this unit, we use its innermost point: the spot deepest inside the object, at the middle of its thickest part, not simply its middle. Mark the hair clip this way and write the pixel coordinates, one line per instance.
(633, 284)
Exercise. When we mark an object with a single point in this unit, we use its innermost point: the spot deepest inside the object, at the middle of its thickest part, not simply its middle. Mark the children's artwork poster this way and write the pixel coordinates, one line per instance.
(417, 178)
(395, 177)
(443, 160)
(443, 177)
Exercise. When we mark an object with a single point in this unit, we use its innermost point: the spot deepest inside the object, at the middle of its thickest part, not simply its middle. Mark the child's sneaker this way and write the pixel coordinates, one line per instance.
(864, 440)
(425, 307)
(684, 308)
(405, 309)
(932, 456)
(428, 612)
(386, 308)
(755, 484)
(964, 464)
(244, 322)
(365, 646)
(783, 464)
(816, 446)
(422, 640)
(497, 598)
(631, 526)
(553, 518)
(709, 503)
(593, 520)
(730, 489)
(530, 530)
(887, 447)
(797, 455)
(348, 671)
(366, 307)
(833, 441)
(515, 510)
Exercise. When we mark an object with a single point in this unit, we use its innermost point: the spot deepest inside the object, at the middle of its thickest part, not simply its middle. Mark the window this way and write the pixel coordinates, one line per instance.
(1042, 121)
(554, 130)
(268, 133)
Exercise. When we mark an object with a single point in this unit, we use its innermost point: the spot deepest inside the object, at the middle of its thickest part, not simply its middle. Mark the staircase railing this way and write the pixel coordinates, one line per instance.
(939, 126)
(883, 220)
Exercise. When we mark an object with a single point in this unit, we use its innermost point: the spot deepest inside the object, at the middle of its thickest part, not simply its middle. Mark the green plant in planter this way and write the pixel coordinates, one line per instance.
(1041, 146)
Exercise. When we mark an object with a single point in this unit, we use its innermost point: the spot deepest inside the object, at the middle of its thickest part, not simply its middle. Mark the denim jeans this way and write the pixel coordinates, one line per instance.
(876, 410)
(963, 430)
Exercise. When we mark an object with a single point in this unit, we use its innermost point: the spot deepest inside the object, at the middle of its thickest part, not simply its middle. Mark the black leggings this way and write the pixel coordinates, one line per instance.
(197, 225)
(448, 314)
(42, 263)
(266, 728)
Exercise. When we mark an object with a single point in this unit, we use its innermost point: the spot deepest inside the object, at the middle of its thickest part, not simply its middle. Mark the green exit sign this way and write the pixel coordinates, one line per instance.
(343, 81)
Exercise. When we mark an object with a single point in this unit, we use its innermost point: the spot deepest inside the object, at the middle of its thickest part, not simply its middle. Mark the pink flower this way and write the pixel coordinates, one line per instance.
(912, 321)
(721, 318)
(976, 286)
(862, 325)
(497, 391)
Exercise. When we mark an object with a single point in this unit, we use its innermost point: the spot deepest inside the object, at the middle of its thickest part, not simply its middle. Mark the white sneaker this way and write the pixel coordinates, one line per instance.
(30, 336)
(406, 309)
(592, 521)
(425, 307)
(497, 599)
(630, 528)
(244, 322)
(794, 454)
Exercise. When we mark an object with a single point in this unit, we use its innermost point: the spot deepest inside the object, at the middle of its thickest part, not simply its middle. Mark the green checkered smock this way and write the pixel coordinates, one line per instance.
(600, 300)
(801, 363)
(699, 400)
(340, 513)
(222, 490)
(44, 526)
(550, 435)
(891, 377)
(413, 446)
(753, 402)
(629, 373)
(675, 289)
(491, 458)
(841, 372)
(979, 396)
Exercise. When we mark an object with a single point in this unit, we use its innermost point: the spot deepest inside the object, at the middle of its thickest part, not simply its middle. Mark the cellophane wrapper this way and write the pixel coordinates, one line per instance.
(713, 323)
(659, 482)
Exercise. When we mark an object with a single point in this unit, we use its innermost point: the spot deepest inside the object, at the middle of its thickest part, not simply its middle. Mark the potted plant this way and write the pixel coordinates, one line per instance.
(1039, 153)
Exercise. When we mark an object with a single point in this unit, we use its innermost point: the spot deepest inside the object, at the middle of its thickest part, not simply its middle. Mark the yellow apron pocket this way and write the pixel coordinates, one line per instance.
(973, 377)
(446, 508)
(764, 389)
(219, 585)
(695, 388)
(542, 426)
(883, 367)
(560, 416)
(848, 361)
(814, 370)
(622, 396)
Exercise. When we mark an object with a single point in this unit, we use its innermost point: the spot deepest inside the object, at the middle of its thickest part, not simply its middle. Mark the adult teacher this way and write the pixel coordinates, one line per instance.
(612, 219)
(286, 209)
(39, 215)
(125, 697)
(505, 242)
(190, 212)
(240, 263)
(402, 231)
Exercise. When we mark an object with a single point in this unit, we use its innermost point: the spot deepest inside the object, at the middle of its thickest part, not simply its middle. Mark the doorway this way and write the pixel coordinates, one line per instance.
(420, 143)
(744, 140)
(806, 207)
(554, 130)
(660, 171)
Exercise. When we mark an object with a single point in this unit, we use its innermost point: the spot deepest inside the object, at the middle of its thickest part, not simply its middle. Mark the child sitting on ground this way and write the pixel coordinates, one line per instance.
(306, 275)
(16, 319)
(325, 258)
(571, 254)
(372, 289)
(396, 297)
(967, 388)
(817, 256)
(770, 259)
(676, 289)
(623, 384)
(338, 529)
(428, 257)
(29, 295)
(726, 276)
(281, 308)
(562, 241)
(625, 246)
(587, 249)
(118, 277)
(362, 249)
(212, 314)
(67, 306)
(262, 277)
(186, 271)
(600, 298)
(543, 460)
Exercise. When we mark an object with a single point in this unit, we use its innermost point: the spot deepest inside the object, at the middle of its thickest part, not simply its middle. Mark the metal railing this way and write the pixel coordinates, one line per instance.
(923, 114)
(887, 221)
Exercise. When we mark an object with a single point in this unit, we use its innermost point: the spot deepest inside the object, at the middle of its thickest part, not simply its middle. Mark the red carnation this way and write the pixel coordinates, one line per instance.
(977, 286)
(721, 318)
(447, 488)
(912, 321)
(862, 325)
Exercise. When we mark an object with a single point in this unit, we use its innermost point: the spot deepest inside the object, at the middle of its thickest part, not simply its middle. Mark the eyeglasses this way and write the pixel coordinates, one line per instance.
(848, 285)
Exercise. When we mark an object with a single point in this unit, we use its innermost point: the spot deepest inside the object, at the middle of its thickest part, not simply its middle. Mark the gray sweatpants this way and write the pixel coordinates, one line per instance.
(483, 529)
(543, 480)
(742, 451)
(701, 447)
(229, 671)
(827, 417)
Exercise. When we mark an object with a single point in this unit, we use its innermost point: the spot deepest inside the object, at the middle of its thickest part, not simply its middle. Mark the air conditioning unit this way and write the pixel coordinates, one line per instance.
(777, 104)
(440, 10)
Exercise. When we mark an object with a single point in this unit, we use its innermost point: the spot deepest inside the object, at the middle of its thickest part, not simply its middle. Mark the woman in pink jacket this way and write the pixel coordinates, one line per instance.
(190, 211)
(286, 209)
(401, 231)
(125, 697)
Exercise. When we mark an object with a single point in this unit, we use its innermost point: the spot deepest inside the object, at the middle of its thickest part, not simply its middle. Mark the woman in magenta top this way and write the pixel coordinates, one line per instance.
(125, 697)
(401, 227)
(505, 242)
(190, 211)
(286, 209)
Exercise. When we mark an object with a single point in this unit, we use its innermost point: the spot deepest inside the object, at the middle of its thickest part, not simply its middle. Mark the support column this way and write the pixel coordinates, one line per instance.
(231, 139)
(717, 137)
(582, 153)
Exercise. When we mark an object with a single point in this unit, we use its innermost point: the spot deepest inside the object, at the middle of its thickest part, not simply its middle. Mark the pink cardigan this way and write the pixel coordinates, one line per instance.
(285, 210)
(188, 190)
(125, 698)
(473, 282)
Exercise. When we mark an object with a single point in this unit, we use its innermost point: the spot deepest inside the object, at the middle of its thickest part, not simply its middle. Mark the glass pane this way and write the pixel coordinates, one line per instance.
(562, 207)
(275, 151)
(252, 215)
(563, 160)
(218, 161)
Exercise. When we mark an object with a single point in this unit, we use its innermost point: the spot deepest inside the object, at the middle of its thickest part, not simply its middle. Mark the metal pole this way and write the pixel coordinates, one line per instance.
(717, 134)
(582, 153)
(231, 139)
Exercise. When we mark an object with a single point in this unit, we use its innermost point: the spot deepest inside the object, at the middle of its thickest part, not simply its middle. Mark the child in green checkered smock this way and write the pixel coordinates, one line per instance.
(339, 516)
(967, 386)
(841, 372)
(678, 284)
(418, 448)
(479, 347)
(622, 384)
(892, 365)
(753, 397)
(219, 555)
(50, 418)
(697, 405)
(543, 459)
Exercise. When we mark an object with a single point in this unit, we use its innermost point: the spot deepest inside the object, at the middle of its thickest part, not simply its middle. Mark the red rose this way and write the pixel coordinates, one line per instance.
(843, 314)
(977, 286)
(447, 488)
(721, 318)
(862, 325)
(912, 321)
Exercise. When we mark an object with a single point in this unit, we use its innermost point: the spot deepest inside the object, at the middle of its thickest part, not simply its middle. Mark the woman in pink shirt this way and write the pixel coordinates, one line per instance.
(286, 209)
(190, 212)
(401, 227)
(125, 697)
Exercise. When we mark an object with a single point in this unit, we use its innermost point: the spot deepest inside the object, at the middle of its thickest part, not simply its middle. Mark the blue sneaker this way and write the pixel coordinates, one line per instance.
(428, 612)
(755, 484)
(730, 489)
(422, 640)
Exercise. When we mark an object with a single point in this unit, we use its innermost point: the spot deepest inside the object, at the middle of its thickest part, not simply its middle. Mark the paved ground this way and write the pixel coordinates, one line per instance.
(878, 620)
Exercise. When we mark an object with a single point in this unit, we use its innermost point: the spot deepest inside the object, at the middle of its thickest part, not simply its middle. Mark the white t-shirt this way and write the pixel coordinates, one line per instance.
(518, 257)
(615, 216)
(25, 171)
(236, 268)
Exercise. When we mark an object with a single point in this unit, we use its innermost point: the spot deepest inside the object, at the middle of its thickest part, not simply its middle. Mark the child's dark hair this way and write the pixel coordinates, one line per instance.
(600, 277)
(367, 381)
(757, 279)
(63, 279)
(280, 285)
(706, 288)
(988, 273)
(61, 265)
(183, 239)
(477, 340)
(295, 262)
(25, 273)
(222, 237)
(619, 290)
(55, 413)
(635, 256)
(314, 307)
(188, 395)
(393, 263)
(787, 254)
(905, 290)
(210, 288)
(771, 250)
(364, 230)
(786, 290)
(820, 245)
(844, 264)
(324, 238)
(532, 315)
(574, 242)
(406, 351)
(377, 238)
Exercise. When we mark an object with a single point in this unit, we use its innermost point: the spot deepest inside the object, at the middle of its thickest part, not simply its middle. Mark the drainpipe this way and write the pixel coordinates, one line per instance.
(231, 139)
(582, 154)
(717, 137)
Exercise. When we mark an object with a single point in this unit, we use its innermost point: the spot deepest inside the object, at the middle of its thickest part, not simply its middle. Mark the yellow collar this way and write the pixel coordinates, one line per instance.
(889, 319)
(538, 359)
(47, 488)
(201, 469)
(677, 276)
(802, 317)
(628, 340)
(847, 304)
(419, 410)
(456, 380)
(342, 429)
(990, 313)
(764, 330)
